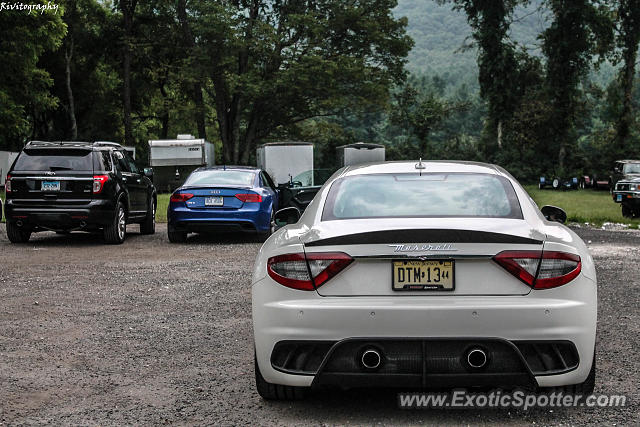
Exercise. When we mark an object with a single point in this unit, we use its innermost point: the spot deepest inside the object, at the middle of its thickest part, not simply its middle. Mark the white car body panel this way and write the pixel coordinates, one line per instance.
(488, 302)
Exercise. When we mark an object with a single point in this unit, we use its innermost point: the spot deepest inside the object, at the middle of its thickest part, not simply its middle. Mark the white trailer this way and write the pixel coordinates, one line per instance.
(360, 152)
(173, 160)
(286, 161)
(6, 160)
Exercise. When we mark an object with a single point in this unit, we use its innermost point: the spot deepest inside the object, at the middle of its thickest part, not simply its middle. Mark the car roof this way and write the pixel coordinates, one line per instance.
(430, 166)
(243, 168)
(627, 161)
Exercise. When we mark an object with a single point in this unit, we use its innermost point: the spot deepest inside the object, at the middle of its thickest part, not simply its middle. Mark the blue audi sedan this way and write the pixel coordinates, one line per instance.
(223, 199)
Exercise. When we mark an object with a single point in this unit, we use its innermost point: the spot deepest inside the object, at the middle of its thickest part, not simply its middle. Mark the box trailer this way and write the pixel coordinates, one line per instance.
(287, 161)
(173, 160)
(6, 160)
(360, 152)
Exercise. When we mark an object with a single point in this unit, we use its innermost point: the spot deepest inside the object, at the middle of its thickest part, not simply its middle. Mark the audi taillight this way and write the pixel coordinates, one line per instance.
(541, 269)
(308, 272)
(7, 184)
(180, 197)
(98, 183)
(249, 198)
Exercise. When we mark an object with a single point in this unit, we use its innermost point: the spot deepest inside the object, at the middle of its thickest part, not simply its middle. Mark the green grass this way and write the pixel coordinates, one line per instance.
(594, 207)
(161, 210)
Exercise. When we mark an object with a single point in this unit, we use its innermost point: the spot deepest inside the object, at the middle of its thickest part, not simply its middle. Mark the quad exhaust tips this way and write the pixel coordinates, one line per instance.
(371, 359)
(477, 358)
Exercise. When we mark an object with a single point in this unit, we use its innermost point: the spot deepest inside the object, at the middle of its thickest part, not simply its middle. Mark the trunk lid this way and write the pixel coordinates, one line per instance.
(218, 197)
(467, 244)
(44, 175)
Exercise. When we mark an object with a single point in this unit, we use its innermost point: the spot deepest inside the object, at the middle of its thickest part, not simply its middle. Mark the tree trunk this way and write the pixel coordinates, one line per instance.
(628, 74)
(128, 10)
(68, 55)
(196, 87)
(499, 134)
(164, 118)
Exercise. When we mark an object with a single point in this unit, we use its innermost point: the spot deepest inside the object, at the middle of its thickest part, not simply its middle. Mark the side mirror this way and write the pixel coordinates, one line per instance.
(287, 216)
(554, 213)
(148, 172)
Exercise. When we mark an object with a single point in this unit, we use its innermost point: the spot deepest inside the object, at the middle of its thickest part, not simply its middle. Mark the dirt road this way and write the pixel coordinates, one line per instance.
(152, 333)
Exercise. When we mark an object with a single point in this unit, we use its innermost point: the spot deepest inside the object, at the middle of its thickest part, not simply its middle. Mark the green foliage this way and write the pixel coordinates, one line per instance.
(24, 85)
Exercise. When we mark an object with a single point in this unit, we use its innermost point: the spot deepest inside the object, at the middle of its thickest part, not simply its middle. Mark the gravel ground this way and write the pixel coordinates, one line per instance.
(153, 333)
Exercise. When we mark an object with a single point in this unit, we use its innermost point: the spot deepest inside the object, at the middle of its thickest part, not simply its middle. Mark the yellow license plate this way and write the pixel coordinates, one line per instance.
(428, 275)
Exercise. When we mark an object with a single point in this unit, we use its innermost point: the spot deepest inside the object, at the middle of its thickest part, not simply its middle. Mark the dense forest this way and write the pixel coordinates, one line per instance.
(539, 86)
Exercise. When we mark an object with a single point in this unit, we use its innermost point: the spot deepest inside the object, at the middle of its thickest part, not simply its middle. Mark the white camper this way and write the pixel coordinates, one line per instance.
(287, 161)
(6, 160)
(173, 160)
(360, 152)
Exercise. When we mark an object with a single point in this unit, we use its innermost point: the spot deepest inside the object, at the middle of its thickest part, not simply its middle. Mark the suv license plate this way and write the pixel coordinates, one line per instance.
(427, 275)
(50, 186)
(214, 201)
(619, 197)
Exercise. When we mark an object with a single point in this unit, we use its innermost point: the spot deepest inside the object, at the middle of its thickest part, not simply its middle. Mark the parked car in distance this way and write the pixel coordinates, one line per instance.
(223, 199)
(423, 275)
(78, 186)
(627, 193)
(558, 183)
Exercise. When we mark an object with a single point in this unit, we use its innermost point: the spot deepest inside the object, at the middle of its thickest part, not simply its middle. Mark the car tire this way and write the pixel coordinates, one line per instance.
(272, 228)
(177, 236)
(116, 232)
(627, 212)
(17, 234)
(148, 226)
(555, 183)
(270, 391)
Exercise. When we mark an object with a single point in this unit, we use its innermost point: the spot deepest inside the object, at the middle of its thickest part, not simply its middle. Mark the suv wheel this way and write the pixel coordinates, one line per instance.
(17, 234)
(148, 226)
(115, 232)
(627, 212)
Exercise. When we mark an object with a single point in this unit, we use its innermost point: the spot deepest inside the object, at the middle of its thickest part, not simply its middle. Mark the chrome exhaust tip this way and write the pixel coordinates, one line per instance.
(371, 359)
(477, 358)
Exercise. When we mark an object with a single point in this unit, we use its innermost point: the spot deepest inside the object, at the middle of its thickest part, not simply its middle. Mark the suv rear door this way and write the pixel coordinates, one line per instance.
(42, 175)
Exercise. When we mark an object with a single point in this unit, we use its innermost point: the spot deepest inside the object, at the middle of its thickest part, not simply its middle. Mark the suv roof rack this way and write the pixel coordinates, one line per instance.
(107, 144)
(57, 144)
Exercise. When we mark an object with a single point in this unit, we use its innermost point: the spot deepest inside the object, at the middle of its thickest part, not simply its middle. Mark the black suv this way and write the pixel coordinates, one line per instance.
(67, 186)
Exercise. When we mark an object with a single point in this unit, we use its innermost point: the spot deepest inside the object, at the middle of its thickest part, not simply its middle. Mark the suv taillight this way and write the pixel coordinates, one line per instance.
(541, 269)
(98, 183)
(306, 273)
(7, 184)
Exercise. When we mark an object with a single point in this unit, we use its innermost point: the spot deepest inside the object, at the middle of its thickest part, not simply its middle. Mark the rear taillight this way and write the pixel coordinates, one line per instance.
(249, 198)
(98, 183)
(7, 184)
(541, 269)
(299, 272)
(180, 197)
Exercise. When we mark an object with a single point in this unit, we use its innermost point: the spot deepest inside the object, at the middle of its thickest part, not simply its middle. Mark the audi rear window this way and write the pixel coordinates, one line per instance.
(220, 177)
(54, 160)
(428, 195)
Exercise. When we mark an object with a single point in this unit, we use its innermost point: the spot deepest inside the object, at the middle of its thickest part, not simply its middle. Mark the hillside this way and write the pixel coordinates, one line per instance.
(443, 37)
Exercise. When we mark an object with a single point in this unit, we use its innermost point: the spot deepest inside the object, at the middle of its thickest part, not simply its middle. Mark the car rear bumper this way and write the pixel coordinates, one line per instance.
(61, 216)
(212, 220)
(556, 315)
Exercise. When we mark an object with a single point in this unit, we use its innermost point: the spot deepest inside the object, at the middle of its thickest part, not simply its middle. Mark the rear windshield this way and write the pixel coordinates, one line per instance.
(54, 160)
(221, 177)
(429, 195)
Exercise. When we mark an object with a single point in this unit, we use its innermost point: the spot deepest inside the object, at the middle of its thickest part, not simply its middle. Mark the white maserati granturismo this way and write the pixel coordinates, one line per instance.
(423, 275)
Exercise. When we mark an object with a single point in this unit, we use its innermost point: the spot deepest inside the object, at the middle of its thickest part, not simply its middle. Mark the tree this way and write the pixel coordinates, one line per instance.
(275, 63)
(128, 9)
(628, 40)
(580, 29)
(24, 85)
(498, 67)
